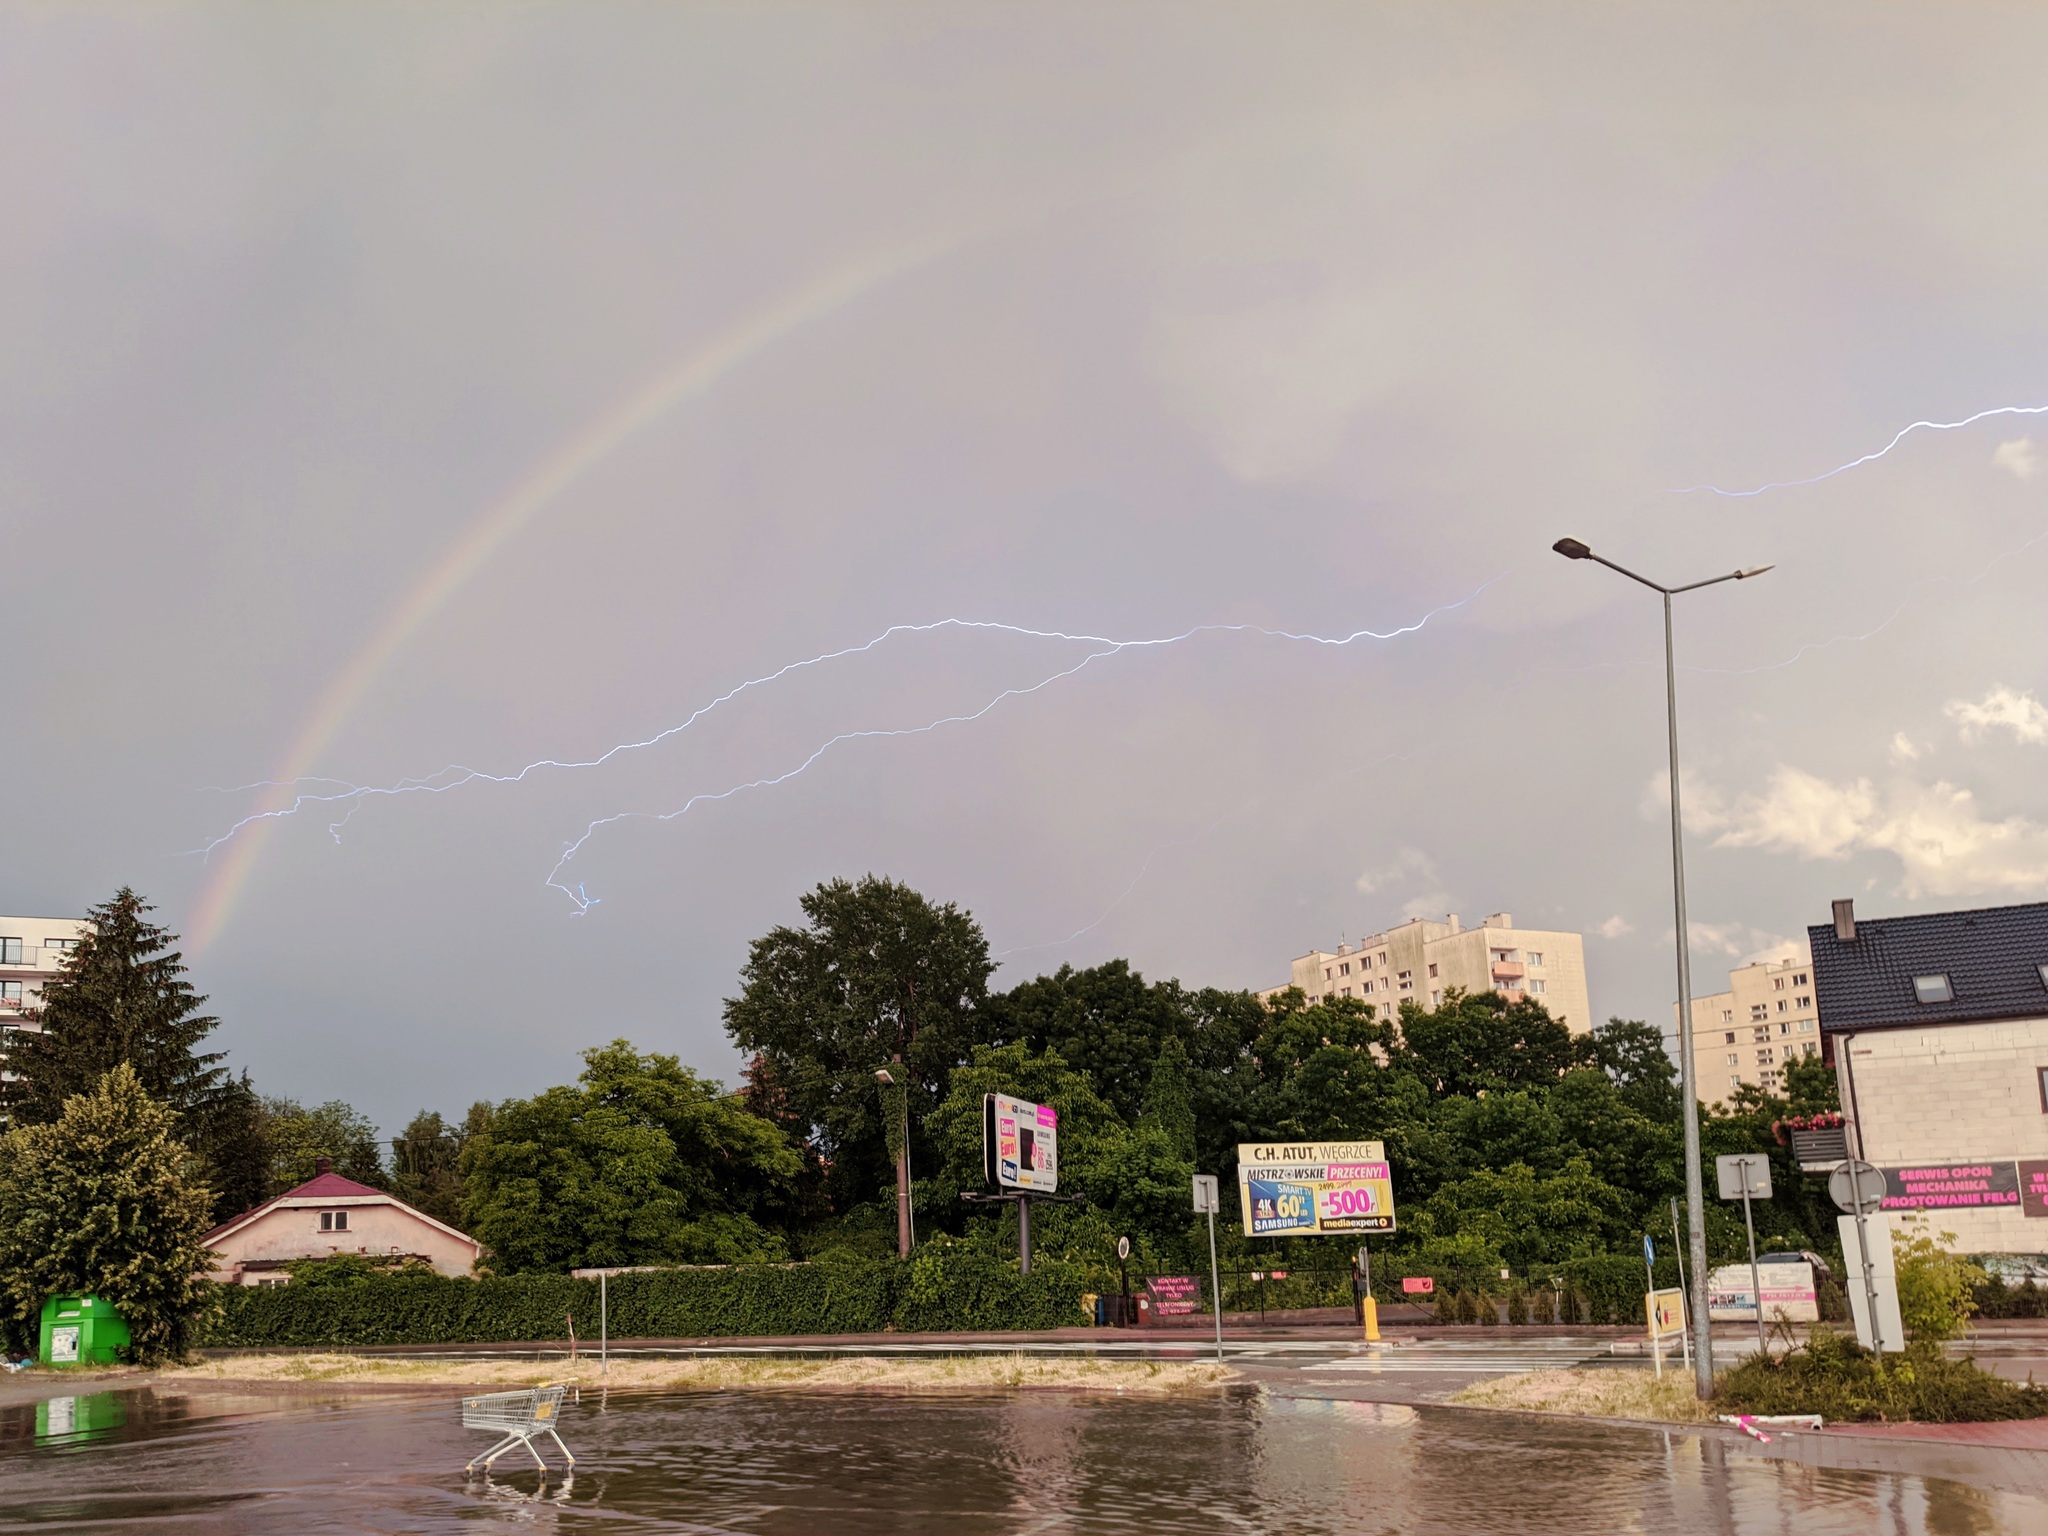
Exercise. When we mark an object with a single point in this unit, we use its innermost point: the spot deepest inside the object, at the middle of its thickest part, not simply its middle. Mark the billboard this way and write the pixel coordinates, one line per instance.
(1314, 1188)
(1020, 1144)
(1788, 1293)
(1971, 1186)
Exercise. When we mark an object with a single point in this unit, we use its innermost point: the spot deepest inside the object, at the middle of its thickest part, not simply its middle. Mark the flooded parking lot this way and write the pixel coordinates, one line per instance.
(784, 1464)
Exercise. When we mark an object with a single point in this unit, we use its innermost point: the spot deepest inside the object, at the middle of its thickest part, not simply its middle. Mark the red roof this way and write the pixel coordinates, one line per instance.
(322, 1185)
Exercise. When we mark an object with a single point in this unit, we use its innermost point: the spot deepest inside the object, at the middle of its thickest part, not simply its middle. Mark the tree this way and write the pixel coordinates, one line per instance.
(1170, 1099)
(121, 997)
(1480, 1042)
(300, 1137)
(426, 1162)
(104, 1200)
(640, 1162)
(1632, 1054)
(234, 1146)
(879, 976)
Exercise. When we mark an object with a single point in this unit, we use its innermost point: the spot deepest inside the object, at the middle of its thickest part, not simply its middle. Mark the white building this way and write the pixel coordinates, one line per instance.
(1767, 1017)
(1938, 1029)
(1418, 961)
(32, 951)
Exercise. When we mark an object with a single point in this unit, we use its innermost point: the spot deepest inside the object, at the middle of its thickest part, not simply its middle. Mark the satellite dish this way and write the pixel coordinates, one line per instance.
(1857, 1188)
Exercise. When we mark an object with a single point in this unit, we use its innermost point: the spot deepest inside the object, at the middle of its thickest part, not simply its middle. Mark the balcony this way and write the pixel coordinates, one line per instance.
(1509, 971)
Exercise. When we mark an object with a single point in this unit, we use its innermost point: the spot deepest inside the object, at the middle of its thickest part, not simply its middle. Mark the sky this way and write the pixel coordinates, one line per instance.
(395, 398)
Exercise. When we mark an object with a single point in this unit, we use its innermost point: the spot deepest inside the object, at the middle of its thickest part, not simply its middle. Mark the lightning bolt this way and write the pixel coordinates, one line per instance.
(328, 792)
(1898, 437)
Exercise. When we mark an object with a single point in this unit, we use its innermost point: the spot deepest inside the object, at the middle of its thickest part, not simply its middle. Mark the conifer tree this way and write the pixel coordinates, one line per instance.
(122, 997)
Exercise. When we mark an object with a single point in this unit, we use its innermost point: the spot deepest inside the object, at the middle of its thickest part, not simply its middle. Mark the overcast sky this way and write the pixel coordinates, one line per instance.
(759, 330)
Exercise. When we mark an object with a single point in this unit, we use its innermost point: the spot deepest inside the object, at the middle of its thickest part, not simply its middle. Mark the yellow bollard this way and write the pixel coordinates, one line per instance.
(1372, 1321)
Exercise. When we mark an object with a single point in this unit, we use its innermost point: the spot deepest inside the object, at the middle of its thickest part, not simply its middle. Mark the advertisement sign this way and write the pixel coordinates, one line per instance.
(1788, 1293)
(1666, 1311)
(1174, 1295)
(2034, 1187)
(1307, 1189)
(1418, 1285)
(1952, 1186)
(1020, 1144)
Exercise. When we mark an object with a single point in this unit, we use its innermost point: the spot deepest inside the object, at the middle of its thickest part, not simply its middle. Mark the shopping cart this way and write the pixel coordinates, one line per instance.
(520, 1417)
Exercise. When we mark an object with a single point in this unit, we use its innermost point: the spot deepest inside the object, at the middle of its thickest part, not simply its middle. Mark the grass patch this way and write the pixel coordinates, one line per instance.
(1608, 1394)
(1837, 1378)
(946, 1373)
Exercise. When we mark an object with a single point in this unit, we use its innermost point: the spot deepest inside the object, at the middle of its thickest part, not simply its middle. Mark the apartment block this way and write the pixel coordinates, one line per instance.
(1747, 1034)
(32, 951)
(1418, 961)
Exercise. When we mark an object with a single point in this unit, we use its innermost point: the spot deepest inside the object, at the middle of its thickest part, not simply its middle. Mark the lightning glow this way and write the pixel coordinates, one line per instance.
(1898, 437)
(313, 792)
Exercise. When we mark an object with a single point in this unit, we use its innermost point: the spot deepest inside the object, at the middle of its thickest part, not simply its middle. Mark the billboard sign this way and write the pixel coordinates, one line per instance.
(1020, 1144)
(1975, 1186)
(1666, 1311)
(1310, 1189)
(1788, 1293)
(1174, 1295)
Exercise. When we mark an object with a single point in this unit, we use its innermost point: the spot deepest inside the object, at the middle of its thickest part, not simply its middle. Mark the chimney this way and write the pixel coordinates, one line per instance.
(1451, 919)
(1845, 921)
(322, 1165)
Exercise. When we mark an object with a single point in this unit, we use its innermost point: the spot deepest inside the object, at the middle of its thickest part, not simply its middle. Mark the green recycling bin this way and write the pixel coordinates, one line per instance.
(81, 1330)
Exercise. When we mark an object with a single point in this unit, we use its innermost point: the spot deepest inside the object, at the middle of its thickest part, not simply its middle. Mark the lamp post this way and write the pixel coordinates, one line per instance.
(1695, 1198)
(906, 1221)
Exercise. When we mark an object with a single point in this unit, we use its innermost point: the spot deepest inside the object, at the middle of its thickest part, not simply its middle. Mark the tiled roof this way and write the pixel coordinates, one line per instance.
(322, 1186)
(1991, 957)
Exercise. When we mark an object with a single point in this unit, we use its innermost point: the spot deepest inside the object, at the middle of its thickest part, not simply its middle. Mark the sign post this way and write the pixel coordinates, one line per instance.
(1859, 1189)
(1369, 1308)
(1123, 1274)
(1743, 1176)
(1206, 1201)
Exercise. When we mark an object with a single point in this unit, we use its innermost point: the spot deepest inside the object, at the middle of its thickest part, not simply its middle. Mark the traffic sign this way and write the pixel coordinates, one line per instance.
(1123, 1248)
(1207, 1200)
(1746, 1173)
(1857, 1188)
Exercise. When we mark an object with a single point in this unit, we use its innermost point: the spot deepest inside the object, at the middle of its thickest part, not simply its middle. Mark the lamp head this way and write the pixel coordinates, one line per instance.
(1572, 549)
(1755, 570)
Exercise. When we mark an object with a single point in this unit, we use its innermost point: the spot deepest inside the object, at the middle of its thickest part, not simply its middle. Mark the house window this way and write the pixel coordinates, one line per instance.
(1365, 964)
(10, 994)
(1734, 1082)
(1436, 998)
(1777, 983)
(1813, 1048)
(1344, 969)
(1536, 985)
(1757, 1010)
(1933, 989)
(1734, 1058)
(1803, 1002)
(10, 951)
(1731, 1037)
(1407, 981)
(1781, 1005)
(1764, 1054)
(1805, 1026)
(1347, 991)
(334, 1221)
(2043, 969)
(1432, 970)
(1761, 1034)
(1326, 973)
(1535, 957)
(1799, 980)
(2044, 1089)
(1727, 1015)
(1784, 1029)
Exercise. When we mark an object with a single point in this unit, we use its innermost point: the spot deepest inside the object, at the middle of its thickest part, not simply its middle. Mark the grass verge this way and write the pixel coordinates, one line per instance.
(1607, 1394)
(954, 1373)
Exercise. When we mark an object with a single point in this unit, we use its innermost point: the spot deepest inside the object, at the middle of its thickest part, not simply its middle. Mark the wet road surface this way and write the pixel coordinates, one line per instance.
(785, 1464)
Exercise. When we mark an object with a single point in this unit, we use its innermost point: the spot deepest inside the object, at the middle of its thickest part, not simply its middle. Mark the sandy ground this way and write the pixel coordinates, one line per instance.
(1593, 1394)
(965, 1373)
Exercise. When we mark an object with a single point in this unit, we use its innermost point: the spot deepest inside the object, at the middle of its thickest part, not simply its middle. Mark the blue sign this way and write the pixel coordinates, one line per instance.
(1281, 1207)
(1649, 1251)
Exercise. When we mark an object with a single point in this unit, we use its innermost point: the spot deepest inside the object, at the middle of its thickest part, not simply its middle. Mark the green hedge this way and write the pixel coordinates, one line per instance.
(939, 1290)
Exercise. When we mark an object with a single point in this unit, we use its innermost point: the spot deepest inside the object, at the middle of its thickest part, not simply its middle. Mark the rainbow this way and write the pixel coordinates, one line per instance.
(465, 554)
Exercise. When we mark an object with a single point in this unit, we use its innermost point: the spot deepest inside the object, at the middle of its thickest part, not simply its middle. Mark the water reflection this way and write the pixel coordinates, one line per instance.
(793, 1465)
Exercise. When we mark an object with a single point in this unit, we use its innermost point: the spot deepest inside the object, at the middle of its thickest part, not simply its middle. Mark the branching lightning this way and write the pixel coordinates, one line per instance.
(330, 792)
(1898, 437)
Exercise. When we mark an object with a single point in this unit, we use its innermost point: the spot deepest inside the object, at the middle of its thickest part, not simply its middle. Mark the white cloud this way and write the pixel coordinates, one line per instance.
(1716, 938)
(1904, 750)
(2017, 456)
(1944, 844)
(1615, 927)
(1406, 865)
(1706, 808)
(2009, 709)
(1739, 942)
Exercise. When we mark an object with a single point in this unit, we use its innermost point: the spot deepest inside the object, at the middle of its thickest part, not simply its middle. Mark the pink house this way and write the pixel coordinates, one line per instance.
(327, 1215)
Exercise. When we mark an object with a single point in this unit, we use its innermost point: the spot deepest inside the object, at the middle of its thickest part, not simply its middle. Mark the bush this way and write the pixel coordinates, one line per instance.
(1543, 1305)
(1489, 1310)
(942, 1289)
(1518, 1306)
(1937, 1289)
(1835, 1377)
(1571, 1308)
(1447, 1306)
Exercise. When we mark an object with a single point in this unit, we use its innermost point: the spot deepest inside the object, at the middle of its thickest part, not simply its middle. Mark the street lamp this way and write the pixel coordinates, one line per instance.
(1695, 1197)
(906, 1220)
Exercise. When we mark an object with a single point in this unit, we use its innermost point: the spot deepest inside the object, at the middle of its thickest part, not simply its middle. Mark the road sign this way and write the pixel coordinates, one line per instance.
(1667, 1312)
(1207, 1200)
(1856, 1187)
(1123, 1248)
(1649, 1251)
(1747, 1173)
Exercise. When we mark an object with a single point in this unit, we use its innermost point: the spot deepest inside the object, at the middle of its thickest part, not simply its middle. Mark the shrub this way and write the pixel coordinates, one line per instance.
(1447, 1306)
(1543, 1305)
(1518, 1306)
(1489, 1310)
(1571, 1308)
(1835, 1377)
(1937, 1289)
(942, 1289)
